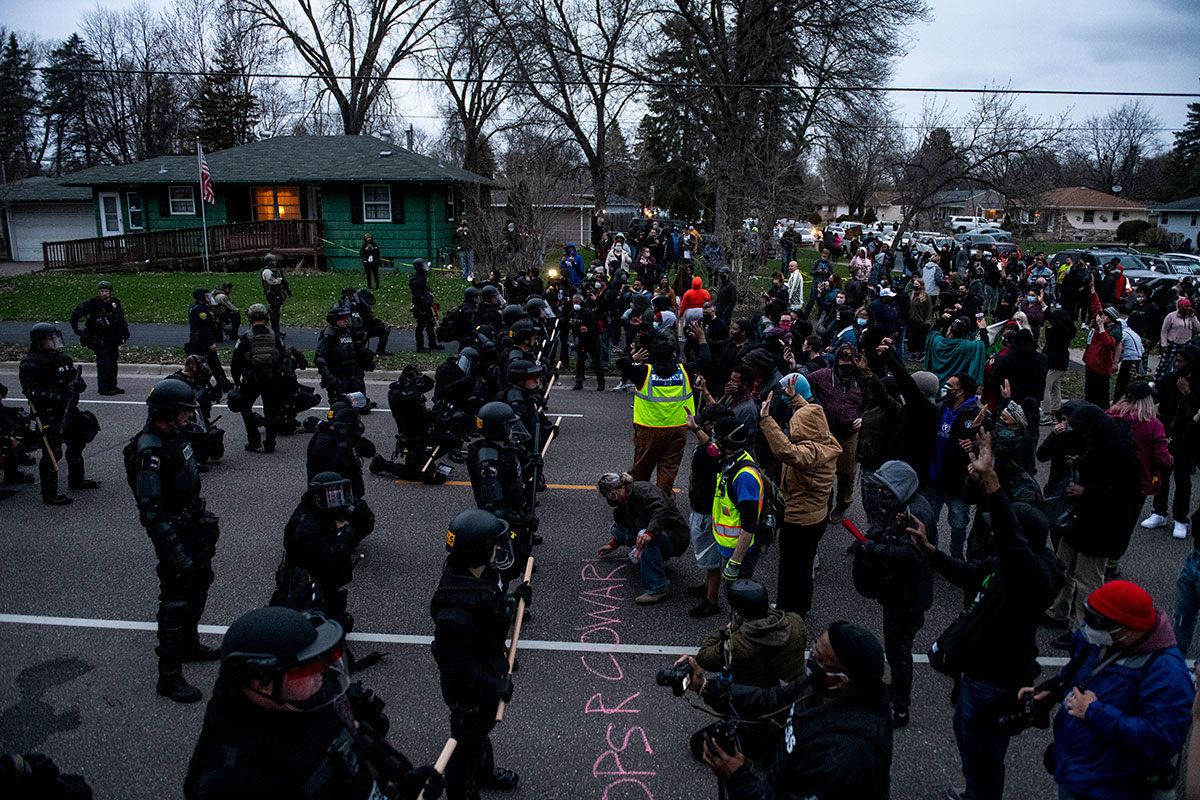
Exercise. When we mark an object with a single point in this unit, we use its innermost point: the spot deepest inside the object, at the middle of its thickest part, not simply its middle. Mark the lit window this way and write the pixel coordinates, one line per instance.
(275, 202)
(377, 202)
(183, 200)
(136, 220)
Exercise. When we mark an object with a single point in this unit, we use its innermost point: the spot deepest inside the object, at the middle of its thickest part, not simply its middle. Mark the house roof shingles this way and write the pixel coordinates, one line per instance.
(1186, 204)
(45, 190)
(1082, 197)
(288, 159)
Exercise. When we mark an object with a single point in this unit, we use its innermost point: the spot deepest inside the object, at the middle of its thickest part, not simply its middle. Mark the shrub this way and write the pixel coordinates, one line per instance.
(1131, 231)
(815, 218)
(869, 218)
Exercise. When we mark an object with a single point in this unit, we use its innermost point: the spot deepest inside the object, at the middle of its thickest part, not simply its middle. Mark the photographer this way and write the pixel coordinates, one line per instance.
(1127, 702)
(991, 649)
(836, 743)
(765, 644)
(17, 437)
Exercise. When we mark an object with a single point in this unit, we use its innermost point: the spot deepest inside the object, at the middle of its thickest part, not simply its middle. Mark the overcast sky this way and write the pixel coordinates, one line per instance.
(1106, 45)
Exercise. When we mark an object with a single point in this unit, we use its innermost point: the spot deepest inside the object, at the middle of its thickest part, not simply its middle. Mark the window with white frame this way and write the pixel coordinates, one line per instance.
(377, 202)
(1089, 217)
(183, 200)
(1116, 216)
(136, 218)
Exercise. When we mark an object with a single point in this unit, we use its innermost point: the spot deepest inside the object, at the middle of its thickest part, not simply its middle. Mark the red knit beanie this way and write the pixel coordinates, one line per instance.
(1125, 603)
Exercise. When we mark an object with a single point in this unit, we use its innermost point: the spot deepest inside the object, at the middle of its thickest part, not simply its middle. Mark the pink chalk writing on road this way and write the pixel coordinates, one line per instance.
(626, 762)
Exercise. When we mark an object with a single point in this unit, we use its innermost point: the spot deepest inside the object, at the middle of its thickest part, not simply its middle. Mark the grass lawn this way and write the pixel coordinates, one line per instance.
(165, 296)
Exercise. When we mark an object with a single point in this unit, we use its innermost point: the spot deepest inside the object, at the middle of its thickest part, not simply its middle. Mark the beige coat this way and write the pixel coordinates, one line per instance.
(809, 457)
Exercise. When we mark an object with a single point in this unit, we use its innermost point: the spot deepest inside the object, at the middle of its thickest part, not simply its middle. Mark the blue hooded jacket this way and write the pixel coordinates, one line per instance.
(1138, 722)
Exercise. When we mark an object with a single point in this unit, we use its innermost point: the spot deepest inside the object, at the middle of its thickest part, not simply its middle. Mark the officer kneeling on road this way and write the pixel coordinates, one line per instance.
(836, 743)
(318, 548)
(472, 615)
(284, 721)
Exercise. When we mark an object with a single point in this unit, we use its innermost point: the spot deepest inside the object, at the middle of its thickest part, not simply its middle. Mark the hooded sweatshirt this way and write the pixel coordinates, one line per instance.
(1153, 455)
(911, 585)
(694, 297)
(1110, 476)
(763, 652)
(809, 456)
(948, 464)
(1138, 722)
(843, 401)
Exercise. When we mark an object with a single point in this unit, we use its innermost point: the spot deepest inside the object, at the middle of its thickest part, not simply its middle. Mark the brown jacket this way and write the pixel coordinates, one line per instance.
(809, 457)
(763, 651)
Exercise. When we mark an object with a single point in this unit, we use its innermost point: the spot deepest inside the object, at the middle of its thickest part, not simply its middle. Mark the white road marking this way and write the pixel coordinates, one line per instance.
(222, 405)
(403, 638)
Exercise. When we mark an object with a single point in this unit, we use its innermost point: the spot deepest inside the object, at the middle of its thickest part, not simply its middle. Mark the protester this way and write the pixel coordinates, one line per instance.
(837, 389)
(702, 485)
(961, 415)
(646, 520)
(1060, 332)
(1178, 404)
(1101, 356)
(951, 348)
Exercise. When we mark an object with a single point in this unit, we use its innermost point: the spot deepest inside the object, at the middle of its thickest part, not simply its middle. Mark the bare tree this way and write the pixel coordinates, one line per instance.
(573, 57)
(1108, 150)
(352, 47)
(859, 153)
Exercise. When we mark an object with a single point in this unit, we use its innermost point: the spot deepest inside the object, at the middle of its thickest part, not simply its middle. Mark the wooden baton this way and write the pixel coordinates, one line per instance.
(516, 637)
(442, 760)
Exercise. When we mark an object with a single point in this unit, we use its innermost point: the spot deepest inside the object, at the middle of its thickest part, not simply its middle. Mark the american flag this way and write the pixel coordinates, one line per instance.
(206, 189)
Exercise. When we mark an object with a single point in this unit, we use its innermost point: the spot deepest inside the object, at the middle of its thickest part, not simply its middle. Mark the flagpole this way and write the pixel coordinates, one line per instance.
(203, 213)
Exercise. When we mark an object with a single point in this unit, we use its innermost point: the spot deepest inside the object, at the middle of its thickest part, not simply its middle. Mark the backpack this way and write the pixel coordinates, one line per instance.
(262, 348)
(771, 516)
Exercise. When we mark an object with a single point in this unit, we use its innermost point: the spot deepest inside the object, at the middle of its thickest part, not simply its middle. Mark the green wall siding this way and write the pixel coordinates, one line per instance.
(153, 219)
(424, 230)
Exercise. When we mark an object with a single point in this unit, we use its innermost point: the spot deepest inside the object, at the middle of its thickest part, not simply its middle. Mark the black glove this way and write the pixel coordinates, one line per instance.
(505, 689)
(180, 560)
(78, 386)
(536, 461)
(419, 778)
(524, 592)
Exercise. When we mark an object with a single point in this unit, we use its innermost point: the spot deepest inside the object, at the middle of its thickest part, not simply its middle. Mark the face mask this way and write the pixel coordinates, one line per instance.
(577, 307)
(1097, 637)
(861, 321)
(845, 371)
(819, 677)
(612, 502)
(786, 324)
(712, 450)
(1031, 298)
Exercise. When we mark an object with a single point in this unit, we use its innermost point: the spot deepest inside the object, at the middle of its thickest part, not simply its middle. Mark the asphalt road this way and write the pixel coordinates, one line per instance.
(587, 721)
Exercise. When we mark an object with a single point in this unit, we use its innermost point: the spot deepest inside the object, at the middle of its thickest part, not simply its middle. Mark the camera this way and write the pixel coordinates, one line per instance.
(677, 676)
(1030, 713)
(722, 733)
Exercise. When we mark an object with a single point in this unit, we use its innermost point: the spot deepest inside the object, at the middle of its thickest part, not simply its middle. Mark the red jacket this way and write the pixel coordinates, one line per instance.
(1153, 456)
(1100, 352)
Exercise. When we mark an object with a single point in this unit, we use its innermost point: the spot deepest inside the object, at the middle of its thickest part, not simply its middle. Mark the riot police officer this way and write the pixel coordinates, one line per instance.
(501, 470)
(318, 548)
(462, 319)
(257, 371)
(522, 395)
(52, 385)
(523, 344)
(161, 470)
(454, 382)
(202, 339)
(294, 396)
(206, 439)
(419, 435)
(338, 444)
(103, 333)
(284, 721)
(275, 288)
(373, 326)
(471, 615)
(488, 312)
(336, 357)
(423, 308)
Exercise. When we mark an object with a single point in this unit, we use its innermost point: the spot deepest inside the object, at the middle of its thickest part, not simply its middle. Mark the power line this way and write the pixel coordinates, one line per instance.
(626, 84)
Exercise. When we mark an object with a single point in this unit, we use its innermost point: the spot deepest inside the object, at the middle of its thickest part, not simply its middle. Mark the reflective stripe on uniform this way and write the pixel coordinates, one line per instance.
(727, 520)
(664, 402)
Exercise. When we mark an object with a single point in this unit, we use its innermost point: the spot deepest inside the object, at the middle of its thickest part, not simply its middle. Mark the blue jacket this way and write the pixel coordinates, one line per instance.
(1138, 722)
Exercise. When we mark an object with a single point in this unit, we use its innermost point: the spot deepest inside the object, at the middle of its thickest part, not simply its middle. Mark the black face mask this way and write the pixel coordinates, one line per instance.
(844, 371)
(611, 502)
(818, 677)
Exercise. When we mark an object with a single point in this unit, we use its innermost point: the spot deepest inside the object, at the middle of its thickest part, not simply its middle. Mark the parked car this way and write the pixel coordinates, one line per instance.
(1182, 263)
(964, 224)
(1000, 234)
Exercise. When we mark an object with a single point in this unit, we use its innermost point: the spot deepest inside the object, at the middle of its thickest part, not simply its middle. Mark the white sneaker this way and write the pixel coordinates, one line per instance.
(1181, 530)
(1154, 521)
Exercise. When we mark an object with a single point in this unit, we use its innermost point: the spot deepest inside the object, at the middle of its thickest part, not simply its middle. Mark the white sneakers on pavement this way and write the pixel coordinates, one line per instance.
(1154, 521)
(1181, 530)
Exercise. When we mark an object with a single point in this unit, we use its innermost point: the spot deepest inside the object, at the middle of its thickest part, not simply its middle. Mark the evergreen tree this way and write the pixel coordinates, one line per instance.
(69, 106)
(226, 109)
(1183, 176)
(18, 102)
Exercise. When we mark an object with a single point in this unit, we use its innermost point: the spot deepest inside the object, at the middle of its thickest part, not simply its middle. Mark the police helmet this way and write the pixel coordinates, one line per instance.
(467, 358)
(43, 331)
(201, 295)
(513, 312)
(421, 265)
(270, 259)
(522, 332)
(474, 533)
(538, 308)
(342, 411)
(330, 490)
(282, 647)
(521, 370)
(366, 297)
(748, 598)
(104, 285)
(488, 292)
(497, 420)
(471, 295)
(257, 313)
(169, 396)
(337, 311)
(730, 434)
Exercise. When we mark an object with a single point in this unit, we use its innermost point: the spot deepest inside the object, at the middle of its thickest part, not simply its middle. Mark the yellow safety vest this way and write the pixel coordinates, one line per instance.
(727, 520)
(664, 402)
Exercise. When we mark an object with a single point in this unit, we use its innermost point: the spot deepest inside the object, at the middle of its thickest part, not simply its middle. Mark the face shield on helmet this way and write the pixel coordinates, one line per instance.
(314, 682)
(466, 363)
(54, 340)
(516, 432)
(334, 495)
(503, 557)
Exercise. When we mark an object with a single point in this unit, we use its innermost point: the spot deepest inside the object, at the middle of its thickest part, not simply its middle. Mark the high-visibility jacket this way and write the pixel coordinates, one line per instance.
(664, 402)
(727, 520)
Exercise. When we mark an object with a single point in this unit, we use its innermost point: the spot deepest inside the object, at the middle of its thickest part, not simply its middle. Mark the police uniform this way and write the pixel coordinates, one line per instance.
(471, 620)
(500, 482)
(423, 310)
(276, 290)
(257, 370)
(165, 480)
(373, 326)
(104, 332)
(206, 439)
(202, 340)
(50, 382)
(418, 433)
(337, 360)
(318, 558)
(337, 445)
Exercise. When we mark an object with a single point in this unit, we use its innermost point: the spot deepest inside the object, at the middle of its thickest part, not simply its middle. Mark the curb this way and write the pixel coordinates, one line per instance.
(381, 377)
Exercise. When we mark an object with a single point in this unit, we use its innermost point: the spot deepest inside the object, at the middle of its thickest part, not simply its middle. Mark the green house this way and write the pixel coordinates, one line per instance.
(306, 196)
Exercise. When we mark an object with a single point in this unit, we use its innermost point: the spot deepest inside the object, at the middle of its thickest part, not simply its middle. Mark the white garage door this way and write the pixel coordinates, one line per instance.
(30, 224)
